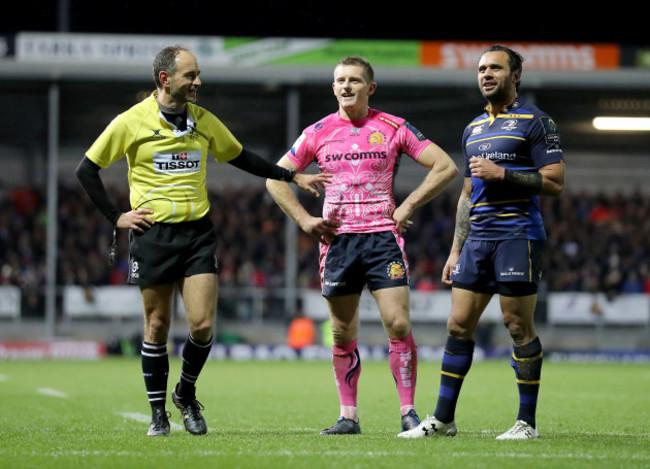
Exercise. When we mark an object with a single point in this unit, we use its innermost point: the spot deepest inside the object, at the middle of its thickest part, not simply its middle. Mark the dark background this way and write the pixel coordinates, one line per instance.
(621, 23)
(572, 106)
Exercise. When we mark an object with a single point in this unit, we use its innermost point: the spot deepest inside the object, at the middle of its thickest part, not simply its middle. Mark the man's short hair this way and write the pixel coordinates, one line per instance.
(359, 62)
(515, 59)
(165, 61)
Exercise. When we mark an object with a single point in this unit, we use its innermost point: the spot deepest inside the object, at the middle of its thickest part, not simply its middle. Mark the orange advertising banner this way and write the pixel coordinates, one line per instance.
(537, 56)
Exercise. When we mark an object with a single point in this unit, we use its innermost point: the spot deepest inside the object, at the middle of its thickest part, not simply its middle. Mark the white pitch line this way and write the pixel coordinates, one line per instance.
(372, 454)
(138, 417)
(51, 392)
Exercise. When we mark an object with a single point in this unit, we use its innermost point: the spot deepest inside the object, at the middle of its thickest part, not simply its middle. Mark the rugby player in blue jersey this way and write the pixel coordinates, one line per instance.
(512, 155)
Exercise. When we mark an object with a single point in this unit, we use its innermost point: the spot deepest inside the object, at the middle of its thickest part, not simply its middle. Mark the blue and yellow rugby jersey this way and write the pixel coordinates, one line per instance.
(523, 138)
(167, 167)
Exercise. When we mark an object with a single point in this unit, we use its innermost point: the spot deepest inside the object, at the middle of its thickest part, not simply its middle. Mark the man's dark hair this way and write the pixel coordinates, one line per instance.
(165, 61)
(515, 59)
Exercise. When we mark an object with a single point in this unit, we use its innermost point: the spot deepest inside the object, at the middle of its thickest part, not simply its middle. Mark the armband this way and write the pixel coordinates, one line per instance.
(530, 180)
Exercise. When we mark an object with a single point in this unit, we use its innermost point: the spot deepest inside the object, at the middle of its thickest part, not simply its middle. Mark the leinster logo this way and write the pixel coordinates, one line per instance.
(510, 124)
(396, 271)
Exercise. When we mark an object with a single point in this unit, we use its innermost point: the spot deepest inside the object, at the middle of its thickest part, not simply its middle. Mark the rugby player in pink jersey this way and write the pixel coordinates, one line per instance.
(360, 230)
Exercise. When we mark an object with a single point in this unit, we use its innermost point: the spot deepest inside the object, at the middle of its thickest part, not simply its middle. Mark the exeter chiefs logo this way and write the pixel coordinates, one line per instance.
(376, 138)
(396, 271)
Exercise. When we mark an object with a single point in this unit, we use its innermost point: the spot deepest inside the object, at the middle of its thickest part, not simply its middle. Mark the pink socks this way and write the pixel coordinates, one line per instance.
(403, 359)
(347, 368)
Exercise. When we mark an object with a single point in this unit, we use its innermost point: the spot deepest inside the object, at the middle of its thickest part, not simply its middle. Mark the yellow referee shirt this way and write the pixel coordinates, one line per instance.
(167, 167)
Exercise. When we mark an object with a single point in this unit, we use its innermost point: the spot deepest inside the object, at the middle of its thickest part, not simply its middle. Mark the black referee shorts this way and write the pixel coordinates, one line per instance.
(167, 252)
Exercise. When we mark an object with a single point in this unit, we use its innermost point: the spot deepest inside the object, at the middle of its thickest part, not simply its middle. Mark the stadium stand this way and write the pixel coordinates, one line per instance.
(597, 242)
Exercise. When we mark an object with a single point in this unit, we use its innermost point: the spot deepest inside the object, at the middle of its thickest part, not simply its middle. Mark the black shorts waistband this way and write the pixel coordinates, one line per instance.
(186, 224)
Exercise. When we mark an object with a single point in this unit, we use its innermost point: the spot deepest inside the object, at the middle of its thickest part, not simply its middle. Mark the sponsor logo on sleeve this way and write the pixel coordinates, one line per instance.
(389, 122)
(419, 135)
(551, 130)
(297, 143)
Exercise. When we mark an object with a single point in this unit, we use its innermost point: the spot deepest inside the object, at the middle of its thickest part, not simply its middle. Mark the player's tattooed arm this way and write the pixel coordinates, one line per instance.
(462, 221)
(530, 180)
(461, 232)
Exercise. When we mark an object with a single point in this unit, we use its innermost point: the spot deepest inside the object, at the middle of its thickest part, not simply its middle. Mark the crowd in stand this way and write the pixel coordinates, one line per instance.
(597, 241)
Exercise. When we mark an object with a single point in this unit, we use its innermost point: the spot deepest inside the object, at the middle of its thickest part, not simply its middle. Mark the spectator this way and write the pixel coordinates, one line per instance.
(580, 245)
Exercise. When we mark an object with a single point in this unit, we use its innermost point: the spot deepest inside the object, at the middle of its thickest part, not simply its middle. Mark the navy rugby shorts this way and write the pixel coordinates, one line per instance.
(167, 252)
(353, 260)
(510, 267)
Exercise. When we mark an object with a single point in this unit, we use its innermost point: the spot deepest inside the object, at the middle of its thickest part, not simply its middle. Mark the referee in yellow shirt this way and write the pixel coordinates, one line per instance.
(166, 139)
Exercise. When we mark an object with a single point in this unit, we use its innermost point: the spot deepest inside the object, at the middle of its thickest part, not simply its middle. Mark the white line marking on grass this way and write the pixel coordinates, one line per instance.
(138, 417)
(610, 434)
(559, 456)
(3, 378)
(616, 460)
(51, 392)
(570, 433)
(455, 454)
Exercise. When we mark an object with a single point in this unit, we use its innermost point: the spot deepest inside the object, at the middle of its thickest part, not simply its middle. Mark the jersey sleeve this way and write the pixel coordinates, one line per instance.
(413, 141)
(111, 145)
(544, 140)
(467, 173)
(223, 144)
(301, 153)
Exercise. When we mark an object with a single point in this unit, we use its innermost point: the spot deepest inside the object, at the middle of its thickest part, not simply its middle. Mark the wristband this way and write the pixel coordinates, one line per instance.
(289, 174)
(530, 180)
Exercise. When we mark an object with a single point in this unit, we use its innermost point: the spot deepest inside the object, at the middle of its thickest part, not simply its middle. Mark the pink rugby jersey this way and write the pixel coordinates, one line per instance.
(363, 157)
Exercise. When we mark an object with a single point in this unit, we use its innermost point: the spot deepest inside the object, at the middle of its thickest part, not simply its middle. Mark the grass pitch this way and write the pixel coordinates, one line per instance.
(77, 414)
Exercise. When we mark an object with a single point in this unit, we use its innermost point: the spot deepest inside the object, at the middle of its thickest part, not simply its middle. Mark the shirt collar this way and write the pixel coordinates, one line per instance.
(516, 104)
